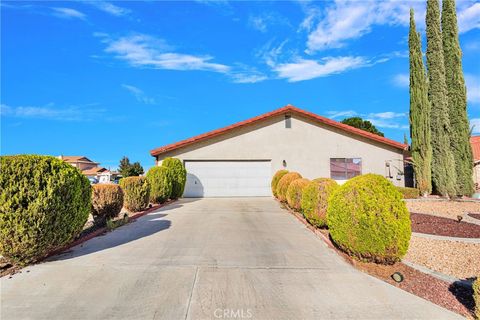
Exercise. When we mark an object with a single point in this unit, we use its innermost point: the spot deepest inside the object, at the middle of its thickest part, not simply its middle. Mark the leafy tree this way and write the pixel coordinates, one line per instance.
(443, 163)
(365, 125)
(420, 131)
(457, 100)
(128, 169)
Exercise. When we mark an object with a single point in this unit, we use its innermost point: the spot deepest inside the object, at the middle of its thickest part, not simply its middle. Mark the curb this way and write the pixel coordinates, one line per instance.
(446, 238)
(438, 275)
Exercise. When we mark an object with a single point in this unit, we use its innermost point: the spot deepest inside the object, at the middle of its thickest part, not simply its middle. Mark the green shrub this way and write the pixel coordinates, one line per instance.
(294, 193)
(283, 184)
(314, 201)
(44, 204)
(160, 181)
(476, 296)
(179, 174)
(409, 193)
(107, 201)
(136, 193)
(367, 218)
(276, 178)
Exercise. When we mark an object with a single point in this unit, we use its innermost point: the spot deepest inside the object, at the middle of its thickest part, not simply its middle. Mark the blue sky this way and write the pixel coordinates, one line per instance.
(107, 79)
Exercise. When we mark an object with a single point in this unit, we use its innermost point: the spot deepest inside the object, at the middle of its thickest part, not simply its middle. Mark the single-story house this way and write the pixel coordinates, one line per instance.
(89, 168)
(475, 143)
(240, 160)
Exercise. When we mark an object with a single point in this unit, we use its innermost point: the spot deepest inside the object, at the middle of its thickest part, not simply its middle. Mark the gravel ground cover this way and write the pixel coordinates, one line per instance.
(425, 223)
(454, 258)
(446, 209)
(454, 297)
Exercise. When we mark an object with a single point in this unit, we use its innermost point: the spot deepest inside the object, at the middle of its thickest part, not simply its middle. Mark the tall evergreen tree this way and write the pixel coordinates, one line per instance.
(457, 100)
(420, 132)
(443, 165)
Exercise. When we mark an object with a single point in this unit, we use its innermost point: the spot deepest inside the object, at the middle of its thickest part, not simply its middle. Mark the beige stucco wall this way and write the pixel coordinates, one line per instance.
(306, 147)
(476, 175)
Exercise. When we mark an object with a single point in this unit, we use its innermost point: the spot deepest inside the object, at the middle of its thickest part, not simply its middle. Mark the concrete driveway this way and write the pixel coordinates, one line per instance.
(207, 259)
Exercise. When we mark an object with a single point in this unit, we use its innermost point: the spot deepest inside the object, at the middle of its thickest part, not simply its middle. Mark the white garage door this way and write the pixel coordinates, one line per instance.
(227, 179)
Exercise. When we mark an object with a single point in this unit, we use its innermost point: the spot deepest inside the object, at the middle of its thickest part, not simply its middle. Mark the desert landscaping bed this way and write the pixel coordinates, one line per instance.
(454, 258)
(426, 223)
(443, 208)
(455, 297)
(475, 215)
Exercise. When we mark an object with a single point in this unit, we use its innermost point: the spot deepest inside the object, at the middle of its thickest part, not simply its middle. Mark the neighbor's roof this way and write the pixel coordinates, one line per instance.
(475, 142)
(94, 171)
(289, 109)
(75, 159)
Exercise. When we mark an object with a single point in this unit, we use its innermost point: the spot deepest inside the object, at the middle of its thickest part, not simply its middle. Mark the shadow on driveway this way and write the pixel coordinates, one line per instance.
(140, 228)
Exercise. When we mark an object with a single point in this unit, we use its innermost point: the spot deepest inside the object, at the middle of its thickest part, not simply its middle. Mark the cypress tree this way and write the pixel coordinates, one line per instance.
(457, 100)
(420, 131)
(443, 165)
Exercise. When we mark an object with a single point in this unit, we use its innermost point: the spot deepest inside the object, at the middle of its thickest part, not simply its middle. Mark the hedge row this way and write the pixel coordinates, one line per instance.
(44, 204)
(409, 193)
(366, 216)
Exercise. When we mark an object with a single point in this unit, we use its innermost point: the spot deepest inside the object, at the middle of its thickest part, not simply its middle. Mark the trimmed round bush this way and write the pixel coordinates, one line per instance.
(283, 184)
(409, 193)
(294, 193)
(136, 193)
(476, 296)
(276, 178)
(368, 219)
(179, 175)
(44, 204)
(314, 201)
(107, 201)
(160, 181)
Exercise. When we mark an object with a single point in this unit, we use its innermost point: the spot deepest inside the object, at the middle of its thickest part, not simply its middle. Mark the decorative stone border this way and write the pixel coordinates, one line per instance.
(435, 237)
(438, 275)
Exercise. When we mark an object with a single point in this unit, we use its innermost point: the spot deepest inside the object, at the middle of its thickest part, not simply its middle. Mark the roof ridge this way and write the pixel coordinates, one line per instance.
(276, 112)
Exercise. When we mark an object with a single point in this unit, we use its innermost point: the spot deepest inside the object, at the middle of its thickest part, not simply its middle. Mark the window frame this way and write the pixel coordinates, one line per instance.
(347, 174)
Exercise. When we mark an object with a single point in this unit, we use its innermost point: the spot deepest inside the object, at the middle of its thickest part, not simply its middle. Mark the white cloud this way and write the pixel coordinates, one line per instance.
(341, 114)
(473, 88)
(387, 115)
(387, 119)
(475, 124)
(139, 94)
(68, 13)
(469, 18)
(110, 8)
(303, 69)
(264, 21)
(70, 113)
(258, 23)
(145, 51)
(401, 80)
(347, 20)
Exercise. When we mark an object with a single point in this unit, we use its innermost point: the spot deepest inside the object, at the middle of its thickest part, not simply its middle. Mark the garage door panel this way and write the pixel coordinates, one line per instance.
(227, 178)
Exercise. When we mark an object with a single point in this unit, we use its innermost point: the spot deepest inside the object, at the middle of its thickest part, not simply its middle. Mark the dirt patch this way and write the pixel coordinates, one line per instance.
(445, 209)
(457, 259)
(425, 223)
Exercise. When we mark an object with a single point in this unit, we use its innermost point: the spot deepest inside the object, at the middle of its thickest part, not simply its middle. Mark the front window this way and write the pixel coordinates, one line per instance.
(345, 168)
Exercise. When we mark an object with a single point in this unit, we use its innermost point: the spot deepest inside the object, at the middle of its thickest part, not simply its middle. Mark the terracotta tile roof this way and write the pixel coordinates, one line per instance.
(284, 110)
(93, 171)
(475, 143)
(75, 159)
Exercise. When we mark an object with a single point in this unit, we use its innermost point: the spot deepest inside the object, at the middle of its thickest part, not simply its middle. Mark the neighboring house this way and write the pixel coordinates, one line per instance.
(240, 160)
(475, 142)
(88, 168)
